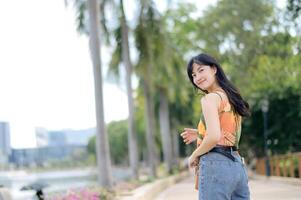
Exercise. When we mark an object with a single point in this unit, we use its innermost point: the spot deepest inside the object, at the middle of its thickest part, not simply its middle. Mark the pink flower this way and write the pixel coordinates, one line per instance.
(83, 194)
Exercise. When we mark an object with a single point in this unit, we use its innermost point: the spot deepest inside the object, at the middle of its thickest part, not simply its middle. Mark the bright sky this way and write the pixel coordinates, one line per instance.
(46, 77)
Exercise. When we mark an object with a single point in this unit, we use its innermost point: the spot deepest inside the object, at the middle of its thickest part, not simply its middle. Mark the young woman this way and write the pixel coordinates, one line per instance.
(221, 173)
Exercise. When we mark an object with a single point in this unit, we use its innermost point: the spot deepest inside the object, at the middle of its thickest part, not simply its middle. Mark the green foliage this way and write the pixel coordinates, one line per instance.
(294, 7)
(116, 58)
(91, 146)
(283, 127)
(81, 18)
(183, 29)
(117, 134)
(258, 53)
(274, 76)
(118, 140)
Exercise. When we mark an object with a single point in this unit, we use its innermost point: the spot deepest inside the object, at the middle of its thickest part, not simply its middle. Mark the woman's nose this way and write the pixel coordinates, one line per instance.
(198, 77)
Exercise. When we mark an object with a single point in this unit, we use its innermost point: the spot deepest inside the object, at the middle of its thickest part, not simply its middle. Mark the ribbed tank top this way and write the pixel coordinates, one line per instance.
(230, 125)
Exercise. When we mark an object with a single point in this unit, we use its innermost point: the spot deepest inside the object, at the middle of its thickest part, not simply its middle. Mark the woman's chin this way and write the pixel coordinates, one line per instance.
(203, 87)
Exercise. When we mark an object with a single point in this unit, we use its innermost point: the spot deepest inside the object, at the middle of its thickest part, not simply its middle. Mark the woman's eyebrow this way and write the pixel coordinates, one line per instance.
(198, 67)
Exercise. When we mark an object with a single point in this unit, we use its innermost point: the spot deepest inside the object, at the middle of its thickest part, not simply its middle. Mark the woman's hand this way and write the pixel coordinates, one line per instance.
(192, 161)
(189, 135)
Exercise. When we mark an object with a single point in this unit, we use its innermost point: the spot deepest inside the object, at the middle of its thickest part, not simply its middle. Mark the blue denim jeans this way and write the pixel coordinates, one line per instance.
(220, 178)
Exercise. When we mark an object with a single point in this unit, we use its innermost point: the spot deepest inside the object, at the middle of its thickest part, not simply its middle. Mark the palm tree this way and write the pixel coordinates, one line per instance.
(160, 67)
(149, 47)
(121, 54)
(165, 129)
(145, 72)
(102, 146)
(132, 138)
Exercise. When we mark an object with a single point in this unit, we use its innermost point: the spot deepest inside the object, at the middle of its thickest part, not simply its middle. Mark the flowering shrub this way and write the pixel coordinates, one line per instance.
(83, 194)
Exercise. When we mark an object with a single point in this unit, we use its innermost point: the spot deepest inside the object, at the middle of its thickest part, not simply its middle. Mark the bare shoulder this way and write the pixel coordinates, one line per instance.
(210, 99)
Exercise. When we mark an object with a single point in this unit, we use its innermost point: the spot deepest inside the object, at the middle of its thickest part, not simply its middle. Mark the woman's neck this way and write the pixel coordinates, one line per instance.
(214, 88)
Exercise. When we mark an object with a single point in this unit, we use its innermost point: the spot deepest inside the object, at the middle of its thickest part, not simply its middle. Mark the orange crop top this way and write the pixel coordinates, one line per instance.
(229, 122)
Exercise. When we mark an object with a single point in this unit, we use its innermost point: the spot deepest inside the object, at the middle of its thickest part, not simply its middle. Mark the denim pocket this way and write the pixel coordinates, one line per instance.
(217, 172)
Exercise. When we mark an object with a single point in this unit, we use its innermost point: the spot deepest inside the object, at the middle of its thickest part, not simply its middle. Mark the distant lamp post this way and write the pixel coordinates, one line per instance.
(265, 109)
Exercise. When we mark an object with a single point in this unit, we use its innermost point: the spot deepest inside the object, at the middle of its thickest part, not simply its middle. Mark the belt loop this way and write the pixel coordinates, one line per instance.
(231, 151)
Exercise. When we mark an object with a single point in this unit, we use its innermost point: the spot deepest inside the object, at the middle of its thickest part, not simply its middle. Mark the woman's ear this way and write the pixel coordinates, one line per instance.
(214, 69)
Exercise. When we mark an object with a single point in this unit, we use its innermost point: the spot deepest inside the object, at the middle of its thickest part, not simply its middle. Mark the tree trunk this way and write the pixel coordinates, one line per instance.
(165, 130)
(132, 138)
(102, 145)
(150, 128)
(175, 147)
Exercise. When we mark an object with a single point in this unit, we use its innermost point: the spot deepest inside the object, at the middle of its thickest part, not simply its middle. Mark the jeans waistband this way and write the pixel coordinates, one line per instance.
(225, 150)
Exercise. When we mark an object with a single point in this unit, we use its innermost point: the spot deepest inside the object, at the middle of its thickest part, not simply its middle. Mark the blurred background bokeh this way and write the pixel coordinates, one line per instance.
(65, 123)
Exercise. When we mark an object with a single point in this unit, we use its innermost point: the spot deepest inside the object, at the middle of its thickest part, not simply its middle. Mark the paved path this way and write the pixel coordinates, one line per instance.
(261, 189)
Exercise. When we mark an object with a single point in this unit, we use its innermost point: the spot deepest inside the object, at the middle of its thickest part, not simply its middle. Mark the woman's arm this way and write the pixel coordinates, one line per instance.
(210, 104)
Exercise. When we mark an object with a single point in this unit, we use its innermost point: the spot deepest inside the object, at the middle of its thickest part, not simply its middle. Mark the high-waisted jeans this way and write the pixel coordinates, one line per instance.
(220, 178)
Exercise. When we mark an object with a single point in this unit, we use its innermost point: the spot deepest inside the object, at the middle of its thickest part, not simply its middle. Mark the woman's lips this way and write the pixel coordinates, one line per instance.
(200, 82)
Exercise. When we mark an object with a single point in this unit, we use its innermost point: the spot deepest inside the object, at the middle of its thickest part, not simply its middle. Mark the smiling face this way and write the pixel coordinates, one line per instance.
(203, 76)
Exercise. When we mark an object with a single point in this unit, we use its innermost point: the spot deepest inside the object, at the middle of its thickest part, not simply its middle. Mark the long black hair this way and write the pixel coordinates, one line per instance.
(238, 104)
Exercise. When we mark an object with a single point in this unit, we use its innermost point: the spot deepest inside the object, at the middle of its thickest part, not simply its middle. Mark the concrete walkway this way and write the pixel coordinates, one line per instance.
(261, 189)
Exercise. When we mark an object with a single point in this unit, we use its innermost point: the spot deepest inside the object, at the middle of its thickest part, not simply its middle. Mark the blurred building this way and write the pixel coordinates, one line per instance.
(56, 138)
(41, 137)
(63, 137)
(79, 137)
(39, 156)
(53, 145)
(5, 148)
